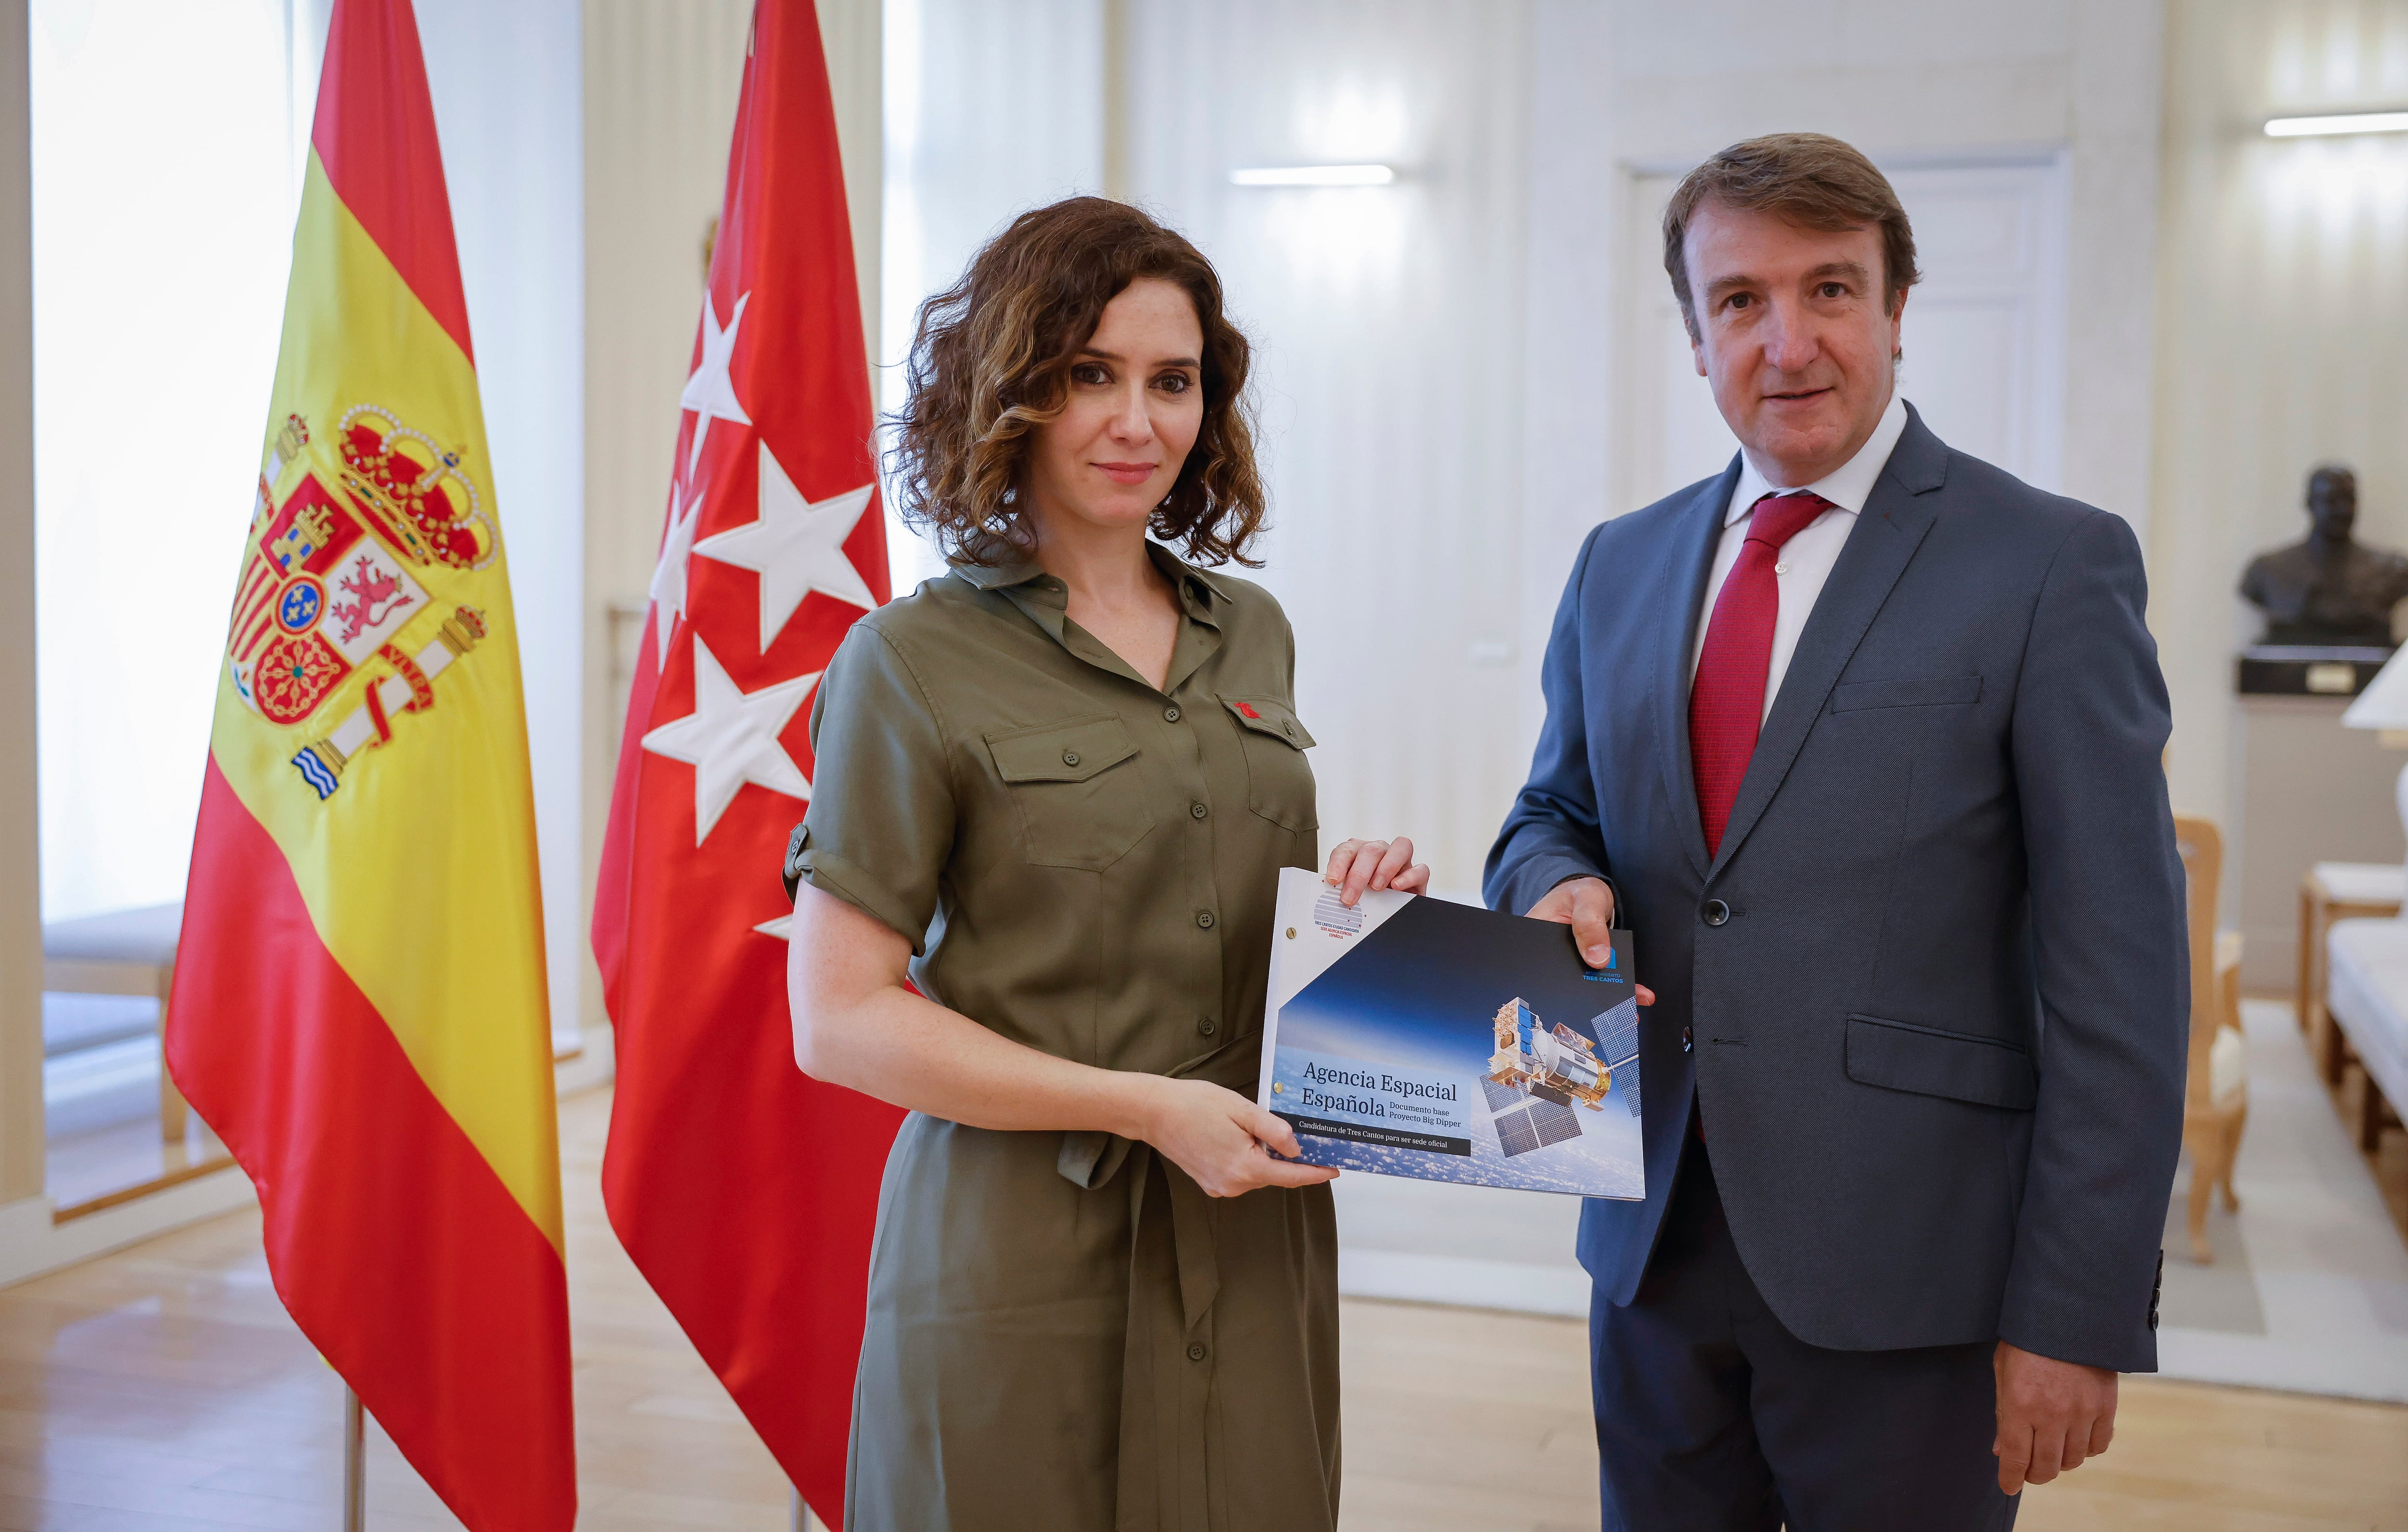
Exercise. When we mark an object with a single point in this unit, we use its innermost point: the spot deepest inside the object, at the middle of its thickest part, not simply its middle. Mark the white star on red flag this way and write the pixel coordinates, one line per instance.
(797, 546)
(731, 739)
(711, 393)
(668, 573)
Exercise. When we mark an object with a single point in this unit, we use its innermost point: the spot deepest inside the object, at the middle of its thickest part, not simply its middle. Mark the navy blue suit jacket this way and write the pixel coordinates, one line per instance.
(1931, 997)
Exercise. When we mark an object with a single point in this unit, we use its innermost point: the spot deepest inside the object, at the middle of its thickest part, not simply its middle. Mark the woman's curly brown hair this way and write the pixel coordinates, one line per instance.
(991, 362)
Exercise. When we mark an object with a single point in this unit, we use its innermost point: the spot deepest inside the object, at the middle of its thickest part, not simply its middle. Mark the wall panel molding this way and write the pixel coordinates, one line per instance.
(22, 1158)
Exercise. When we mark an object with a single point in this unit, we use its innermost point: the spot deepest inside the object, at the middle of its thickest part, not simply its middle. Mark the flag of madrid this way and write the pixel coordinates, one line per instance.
(744, 1191)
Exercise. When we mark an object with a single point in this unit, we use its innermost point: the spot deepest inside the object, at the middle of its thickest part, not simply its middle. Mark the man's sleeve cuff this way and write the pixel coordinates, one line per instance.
(1542, 873)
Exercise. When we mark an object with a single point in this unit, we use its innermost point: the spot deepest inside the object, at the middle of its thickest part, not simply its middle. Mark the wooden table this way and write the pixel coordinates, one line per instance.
(2330, 892)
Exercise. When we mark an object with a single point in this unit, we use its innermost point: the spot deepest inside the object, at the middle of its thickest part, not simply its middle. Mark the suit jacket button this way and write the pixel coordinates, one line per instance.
(1715, 912)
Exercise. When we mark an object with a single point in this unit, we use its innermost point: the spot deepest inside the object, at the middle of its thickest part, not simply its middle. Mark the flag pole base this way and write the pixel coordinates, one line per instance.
(355, 1499)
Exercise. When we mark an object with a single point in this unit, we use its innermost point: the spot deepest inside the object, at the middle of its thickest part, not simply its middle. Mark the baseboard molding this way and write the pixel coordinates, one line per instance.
(1560, 1292)
(2377, 1372)
(596, 1062)
(2205, 1356)
(33, 1243)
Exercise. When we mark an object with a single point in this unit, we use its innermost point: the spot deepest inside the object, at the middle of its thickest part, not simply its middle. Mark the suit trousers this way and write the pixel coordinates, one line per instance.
(1712, 1417)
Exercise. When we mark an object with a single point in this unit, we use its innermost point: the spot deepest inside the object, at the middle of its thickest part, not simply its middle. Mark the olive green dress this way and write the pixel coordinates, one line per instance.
(1063, 1331)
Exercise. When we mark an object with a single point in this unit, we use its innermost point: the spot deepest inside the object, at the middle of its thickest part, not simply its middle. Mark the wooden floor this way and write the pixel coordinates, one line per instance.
(163, 1388)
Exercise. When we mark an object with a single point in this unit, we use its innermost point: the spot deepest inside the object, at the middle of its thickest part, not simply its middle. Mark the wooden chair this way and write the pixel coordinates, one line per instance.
(2215, 1091)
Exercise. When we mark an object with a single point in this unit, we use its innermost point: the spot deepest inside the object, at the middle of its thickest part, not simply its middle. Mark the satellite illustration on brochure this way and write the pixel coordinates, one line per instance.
(1416, 1037)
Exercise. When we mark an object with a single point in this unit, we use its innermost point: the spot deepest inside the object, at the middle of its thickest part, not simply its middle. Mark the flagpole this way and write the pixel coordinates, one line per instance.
(355, 1503)
(799, 1514)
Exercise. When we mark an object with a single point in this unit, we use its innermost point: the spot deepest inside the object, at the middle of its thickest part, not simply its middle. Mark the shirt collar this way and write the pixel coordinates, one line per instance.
(1848, 486)
(1199, 592)
(997, 576)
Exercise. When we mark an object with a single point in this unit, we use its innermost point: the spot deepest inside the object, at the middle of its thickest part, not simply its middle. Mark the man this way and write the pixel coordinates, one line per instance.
(1862, 739)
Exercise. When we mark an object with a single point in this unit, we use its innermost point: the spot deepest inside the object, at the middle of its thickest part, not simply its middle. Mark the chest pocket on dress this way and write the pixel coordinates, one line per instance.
(1077, 788)
(1279, 780)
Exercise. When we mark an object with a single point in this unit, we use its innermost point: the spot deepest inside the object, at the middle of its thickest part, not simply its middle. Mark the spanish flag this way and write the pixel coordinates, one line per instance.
(359, 1007)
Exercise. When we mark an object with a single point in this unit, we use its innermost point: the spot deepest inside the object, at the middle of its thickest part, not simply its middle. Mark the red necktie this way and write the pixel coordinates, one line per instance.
(1726, 699)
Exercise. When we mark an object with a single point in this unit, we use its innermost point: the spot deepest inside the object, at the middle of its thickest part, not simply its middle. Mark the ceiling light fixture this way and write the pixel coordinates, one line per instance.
(1314, 175)
(2312, 127)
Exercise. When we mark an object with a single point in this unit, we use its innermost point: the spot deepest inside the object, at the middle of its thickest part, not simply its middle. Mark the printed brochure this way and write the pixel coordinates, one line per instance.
(1416, 1037)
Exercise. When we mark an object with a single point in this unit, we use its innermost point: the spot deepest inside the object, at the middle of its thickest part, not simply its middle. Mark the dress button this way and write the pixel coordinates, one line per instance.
(1207, 1026)
(1170, 715)
(1204, 919)
(1197, 809)
(1688, 1040)
(1715, 912)
(1195, 1352)
(1070, 757)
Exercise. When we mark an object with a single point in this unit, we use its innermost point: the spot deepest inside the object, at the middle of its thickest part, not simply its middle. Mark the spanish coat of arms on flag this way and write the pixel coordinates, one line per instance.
(359, 1008)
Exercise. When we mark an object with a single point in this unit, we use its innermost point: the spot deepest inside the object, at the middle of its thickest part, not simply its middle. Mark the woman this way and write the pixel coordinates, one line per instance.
(1054, 793)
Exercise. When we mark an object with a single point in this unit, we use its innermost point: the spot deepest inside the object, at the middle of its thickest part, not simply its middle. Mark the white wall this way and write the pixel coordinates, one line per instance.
(509, 93)
(1440, 403)
(990, 110)
(661, 82)
(1388, 327)
(1627, 88)
(153, 363)
(137, 549)
(2282, 317)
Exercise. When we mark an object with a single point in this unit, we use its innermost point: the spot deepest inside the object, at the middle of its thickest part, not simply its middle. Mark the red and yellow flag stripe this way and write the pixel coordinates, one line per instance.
(360, 1006)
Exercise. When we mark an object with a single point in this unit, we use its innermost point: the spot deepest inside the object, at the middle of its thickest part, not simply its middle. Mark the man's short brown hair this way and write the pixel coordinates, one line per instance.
(1811, 179)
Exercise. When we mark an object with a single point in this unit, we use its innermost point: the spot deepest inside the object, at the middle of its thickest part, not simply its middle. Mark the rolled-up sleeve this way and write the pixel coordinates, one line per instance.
(879, 828)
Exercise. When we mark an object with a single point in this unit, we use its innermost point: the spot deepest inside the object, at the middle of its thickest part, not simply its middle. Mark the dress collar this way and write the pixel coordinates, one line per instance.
(1199, 591)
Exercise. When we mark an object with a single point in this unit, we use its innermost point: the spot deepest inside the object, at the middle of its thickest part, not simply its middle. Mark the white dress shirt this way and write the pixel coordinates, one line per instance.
(1805, 561)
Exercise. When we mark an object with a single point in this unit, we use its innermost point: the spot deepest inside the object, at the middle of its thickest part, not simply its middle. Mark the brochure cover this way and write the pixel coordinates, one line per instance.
(1416, 1037)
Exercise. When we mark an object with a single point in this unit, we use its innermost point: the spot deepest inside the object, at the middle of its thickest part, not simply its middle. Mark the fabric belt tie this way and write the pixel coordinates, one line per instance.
(1093, 1159)
(1727, 699)
(1168, 1355)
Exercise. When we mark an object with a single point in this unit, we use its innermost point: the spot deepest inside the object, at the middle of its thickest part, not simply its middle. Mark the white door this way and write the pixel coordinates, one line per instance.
(1984, 341)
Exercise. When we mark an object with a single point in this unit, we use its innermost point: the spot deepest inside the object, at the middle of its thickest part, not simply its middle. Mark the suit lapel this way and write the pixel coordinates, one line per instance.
(1695, 532)
(1891, 527)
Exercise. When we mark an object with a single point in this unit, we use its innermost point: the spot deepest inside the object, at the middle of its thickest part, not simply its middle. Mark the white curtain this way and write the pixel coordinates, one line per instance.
(169, 144)
(165, 178)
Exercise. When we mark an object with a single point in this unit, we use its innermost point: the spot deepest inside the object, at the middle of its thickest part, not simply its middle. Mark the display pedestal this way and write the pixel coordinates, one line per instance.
(2304, 790)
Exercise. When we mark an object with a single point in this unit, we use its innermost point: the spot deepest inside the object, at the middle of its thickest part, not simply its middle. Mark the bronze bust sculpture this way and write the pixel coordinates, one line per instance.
(2328, 590)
